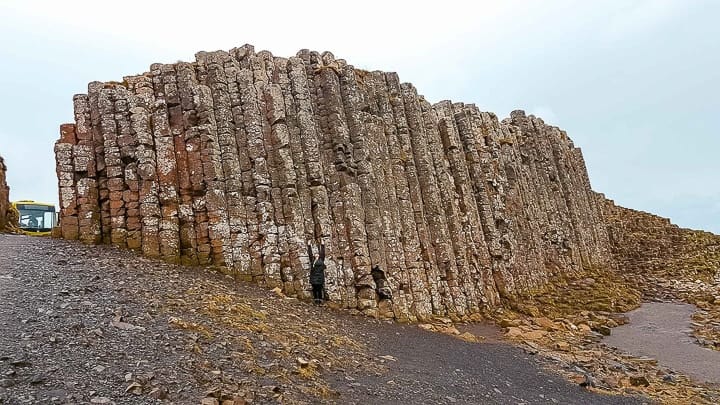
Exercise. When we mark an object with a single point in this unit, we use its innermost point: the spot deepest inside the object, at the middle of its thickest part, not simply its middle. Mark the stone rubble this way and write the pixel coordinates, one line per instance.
(240, 158)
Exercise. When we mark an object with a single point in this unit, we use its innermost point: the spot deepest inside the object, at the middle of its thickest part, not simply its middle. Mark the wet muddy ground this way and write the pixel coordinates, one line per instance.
(662, 331)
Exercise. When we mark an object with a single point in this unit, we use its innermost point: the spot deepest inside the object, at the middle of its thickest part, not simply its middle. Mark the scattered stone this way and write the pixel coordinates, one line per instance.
(603, 330)
(564, 346)
(134, 388)
(126, 326)
(159, 393)
(450, 330)
(469, 337)
(20, 363)
(38, 379)
(639, 380)
(513, 332)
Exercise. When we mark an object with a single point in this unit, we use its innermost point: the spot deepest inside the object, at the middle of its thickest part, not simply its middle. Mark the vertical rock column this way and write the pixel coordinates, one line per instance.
(298, 220)
(422, 285)
(5, 195)
(405, 270)
(440, 254)
(175, 186)
(482, 175)
(227, 202)
(364, 213)
(140, 104)
(279, 166)
(110, 182)
(316, 216)
(452, 131)
(218, 229)
(127, 142)
(453, 267)
(237, 163)
(88, 162)
(327, 200)
(239, 158)
(182, 118)
(166, 169)
(69, 222)
(261, 227)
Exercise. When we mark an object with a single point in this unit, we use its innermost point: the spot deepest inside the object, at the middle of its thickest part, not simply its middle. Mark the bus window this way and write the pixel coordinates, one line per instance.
(38, 218)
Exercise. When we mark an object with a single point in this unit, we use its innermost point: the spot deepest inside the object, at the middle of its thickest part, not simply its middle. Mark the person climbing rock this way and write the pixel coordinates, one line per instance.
(317, 274)
(383, 291)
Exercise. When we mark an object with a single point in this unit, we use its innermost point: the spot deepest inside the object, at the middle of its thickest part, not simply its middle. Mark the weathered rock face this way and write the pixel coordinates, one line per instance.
(240, 158)
(4, 195)
(652, 251)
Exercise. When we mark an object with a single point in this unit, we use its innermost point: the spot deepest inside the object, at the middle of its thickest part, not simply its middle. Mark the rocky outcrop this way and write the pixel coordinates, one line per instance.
(4, 196)
(652, 250)
(240, 158)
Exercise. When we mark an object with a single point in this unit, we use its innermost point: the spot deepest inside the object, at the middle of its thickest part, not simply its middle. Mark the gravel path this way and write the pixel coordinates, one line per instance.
(94, 324)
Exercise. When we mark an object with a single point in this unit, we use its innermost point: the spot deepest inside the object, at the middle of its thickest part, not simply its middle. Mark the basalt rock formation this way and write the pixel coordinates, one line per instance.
(239, 159)
(6, 215)
(652, 251)
(4, 196)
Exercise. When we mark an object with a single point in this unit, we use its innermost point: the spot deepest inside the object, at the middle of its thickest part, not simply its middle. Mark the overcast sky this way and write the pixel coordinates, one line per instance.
(635, 83)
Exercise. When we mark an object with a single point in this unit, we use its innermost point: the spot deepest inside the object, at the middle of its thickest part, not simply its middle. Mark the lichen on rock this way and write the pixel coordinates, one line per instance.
(239, 158)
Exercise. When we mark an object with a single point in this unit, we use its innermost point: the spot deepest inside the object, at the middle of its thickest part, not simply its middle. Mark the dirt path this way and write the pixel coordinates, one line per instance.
(661, 330)
(98, 325)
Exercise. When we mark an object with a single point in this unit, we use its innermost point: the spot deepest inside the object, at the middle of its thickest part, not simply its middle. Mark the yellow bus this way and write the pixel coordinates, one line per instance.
(36, 218)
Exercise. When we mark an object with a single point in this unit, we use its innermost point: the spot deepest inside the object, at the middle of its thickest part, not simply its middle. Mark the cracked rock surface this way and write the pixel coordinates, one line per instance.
(239, 158)
(4, 195)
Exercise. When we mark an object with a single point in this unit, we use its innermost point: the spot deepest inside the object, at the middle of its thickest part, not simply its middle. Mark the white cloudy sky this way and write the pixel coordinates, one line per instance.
(636, 83)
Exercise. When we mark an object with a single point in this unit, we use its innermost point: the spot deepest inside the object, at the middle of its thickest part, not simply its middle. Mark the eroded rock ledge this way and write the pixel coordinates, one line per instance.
(239, 158)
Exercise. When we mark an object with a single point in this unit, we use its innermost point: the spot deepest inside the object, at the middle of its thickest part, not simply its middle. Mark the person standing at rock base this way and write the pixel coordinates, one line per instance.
(383, 291)
(317, 273)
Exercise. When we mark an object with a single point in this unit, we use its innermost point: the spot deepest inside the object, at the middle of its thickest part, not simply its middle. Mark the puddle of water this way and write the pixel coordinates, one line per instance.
(662, 330)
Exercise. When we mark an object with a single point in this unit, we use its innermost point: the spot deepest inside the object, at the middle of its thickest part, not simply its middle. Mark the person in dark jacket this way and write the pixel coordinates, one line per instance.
(317, 274)
(381, 287)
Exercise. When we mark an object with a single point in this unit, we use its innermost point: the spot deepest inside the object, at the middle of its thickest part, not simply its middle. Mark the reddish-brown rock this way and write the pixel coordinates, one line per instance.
(4, 196)
(240, 158)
